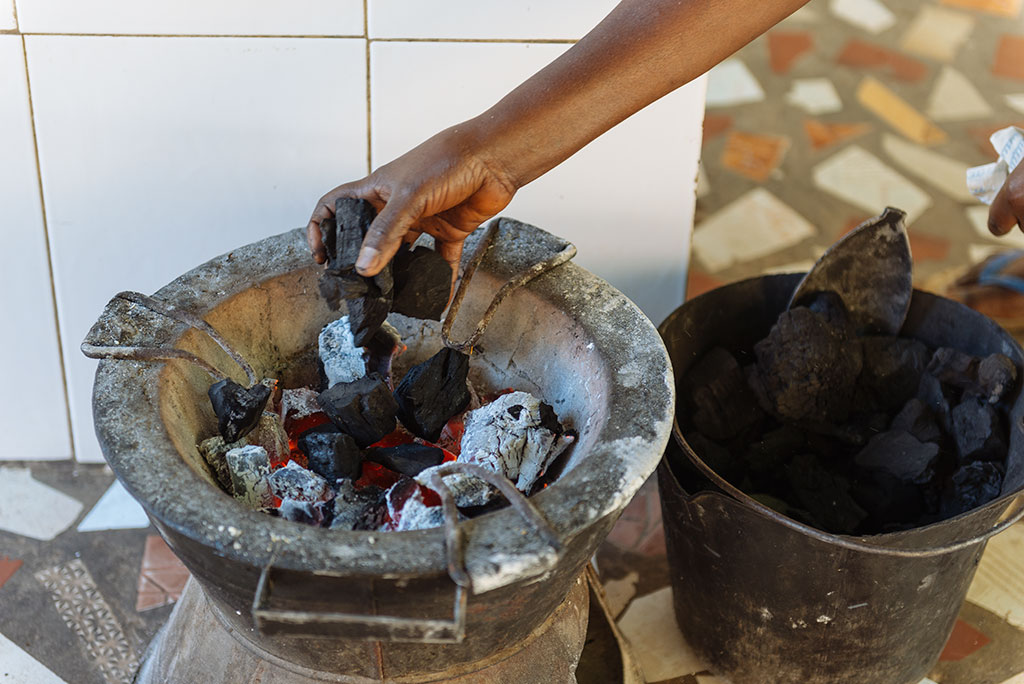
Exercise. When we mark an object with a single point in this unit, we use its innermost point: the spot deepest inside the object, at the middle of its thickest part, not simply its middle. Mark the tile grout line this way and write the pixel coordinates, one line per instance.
(369, 103)
(365, 36)
(49, 253)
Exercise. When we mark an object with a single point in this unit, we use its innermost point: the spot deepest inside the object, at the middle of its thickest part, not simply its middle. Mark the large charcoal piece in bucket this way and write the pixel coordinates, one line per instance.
(761, 597)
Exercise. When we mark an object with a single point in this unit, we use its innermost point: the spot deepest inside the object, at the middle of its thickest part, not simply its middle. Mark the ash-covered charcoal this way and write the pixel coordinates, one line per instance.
(891, 370)
(934, 396)
(306, 512)
(250, 469)
(432, 392)
(899, 454)
(997, 375)
(917, 418)
(299, 484)
(364, 409)
(719, 402)
(978, 431)
(807, 369)
(214, 451)
(367, 313)
(988, 378)
(407, 459)
(298, 404)
(408, 510)
(341, 359)
(358, 509)
(824, 495)
(423, 280)
(332, 454)
(382, 349)
(516, 435)
(270, 434)
(238, 409)
(972, 485)
(467, 491)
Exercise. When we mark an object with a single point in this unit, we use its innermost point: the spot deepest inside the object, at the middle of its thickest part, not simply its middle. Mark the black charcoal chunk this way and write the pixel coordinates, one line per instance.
(423, 280)
(899, 454)
(972, 485)
(917, 418)
(717, 398)
(978, 431)
(353, 218)
(432, 392)
(892, 368)
(888, 500)
(382, 349)
(824, 495)
(367, 313)
(830, 307)
(997, 374)
(988, 378)
(298, 484)
(364, 409)
(407, 459)
(332, 454)
(336, 288)
(238, 409)
(931, 392)
(806, 368)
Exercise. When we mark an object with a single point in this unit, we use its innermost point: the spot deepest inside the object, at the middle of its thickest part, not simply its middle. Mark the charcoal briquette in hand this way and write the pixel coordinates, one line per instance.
(331, 453)
(353, 218)
(238, 409)
(364, 409)
(367, 313)
(899, 454)
(407, 459)
(972, 485)
(432, 392)
(978, 431)
(337, 288)
(423, 281)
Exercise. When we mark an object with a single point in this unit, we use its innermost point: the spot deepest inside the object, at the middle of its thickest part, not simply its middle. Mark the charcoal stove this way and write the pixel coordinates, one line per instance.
(274, 601)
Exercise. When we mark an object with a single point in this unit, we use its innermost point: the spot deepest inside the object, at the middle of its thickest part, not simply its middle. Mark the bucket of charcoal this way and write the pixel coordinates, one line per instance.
(828, 494)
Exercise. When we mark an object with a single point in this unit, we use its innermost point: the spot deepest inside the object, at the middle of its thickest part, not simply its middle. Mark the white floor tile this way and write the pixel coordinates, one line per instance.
(870, 15)
(944, 173)
(527, 19)
(193, 17)
(18, 666)
(731, 83)
(649, 625)
(955, 98)
(814, 96)
(160, 153)
(34, 407)
(865, 181)
(33, 509)
(116, 510)
(594, 198)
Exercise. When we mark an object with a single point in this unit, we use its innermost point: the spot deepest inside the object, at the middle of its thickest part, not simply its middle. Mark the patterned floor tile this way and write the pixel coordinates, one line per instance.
(715, 125)
(116, 510)
(8, 566)
(32, 509)
(870, 15)
(650, 627)
(87, 614)
(786, 47)
(814, 96)
(162, 576)
(1009, 59)
(955, 98)
(864, 55)
(897, 112)
(941, 172)
(753, 155)
(937, 33)
(823, 135)
(999, 583)
(18, 667)
(862, 179)
(1002, 8)
(731, 83)
(964, 641)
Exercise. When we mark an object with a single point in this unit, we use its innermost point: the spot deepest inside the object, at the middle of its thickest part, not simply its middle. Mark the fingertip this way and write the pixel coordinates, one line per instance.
(369, 261)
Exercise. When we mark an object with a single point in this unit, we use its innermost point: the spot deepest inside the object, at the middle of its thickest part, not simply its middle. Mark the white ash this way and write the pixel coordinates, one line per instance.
(250, 468)
(306, 512)
(298, 403)
(343, 361)
(468, 491)
(413, 514)
(299, 484)
(514, 436)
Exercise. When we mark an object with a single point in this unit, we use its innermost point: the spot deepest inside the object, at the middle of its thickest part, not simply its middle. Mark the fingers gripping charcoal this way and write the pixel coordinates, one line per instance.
(331, 453)
(363, 409)
(423, 280)
(407, 459)
(432, 392)
(238, 409)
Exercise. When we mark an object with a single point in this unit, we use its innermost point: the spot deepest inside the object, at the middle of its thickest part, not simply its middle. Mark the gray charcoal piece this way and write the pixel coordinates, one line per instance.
(298, 403)
(342, 360)
(997, 375)
(806, 368)
(364, 409)
(361, 509)
(407, 459)
(299, 484)
(917, 418)
(270, 434)
(719, 402)
(978, 431)
(214, 451)
(250, 468)
(305, 512)
(930, 391)
(432, 392)
(972, 485)
(331, 453)
(423, 280)
(989, 377)
(407, 509)
(891, 369)
(900, 454)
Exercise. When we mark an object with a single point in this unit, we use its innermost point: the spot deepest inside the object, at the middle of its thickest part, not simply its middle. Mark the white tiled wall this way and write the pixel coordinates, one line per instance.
(7, 19)
(33, 417)
(157, 152)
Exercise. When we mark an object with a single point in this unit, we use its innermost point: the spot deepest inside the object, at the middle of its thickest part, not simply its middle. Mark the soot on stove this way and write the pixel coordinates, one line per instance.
(850, 433)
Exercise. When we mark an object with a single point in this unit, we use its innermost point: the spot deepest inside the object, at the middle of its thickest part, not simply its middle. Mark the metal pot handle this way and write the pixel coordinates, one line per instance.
(844, 542)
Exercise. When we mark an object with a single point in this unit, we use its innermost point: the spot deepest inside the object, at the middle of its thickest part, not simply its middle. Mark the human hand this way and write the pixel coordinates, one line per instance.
(445, 187)
(1007, 208)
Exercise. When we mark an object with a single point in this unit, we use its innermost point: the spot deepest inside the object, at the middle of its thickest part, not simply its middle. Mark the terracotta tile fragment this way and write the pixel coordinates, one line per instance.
(162, 577)
(753, 155)
(1009, 59)
(1002, 8)
(926, 247)
(715, 125)
(785, 47)
(898, 113)
(698, 282)
(964, 641)
(823, 134)
(864, 55)
(8, 566)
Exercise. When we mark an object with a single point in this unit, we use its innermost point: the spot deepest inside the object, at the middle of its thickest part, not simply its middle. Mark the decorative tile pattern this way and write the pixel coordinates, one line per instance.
(863, 180)
(162, 576)
(650, 626)
(926, 247)
(999, 583)
(814, 96)
(116, 510)
(822, 135)
(1009, 59)
(1016, 101)
(937, 33)
(895, 111)
(18, 667)
(870, 15)
(955, 98)
(786, 47)
(87, 614)
(942, 172)
(731, 83)
(752, 155)
(1002, 8)
(862, 54)
(32, 509)
(715, 125)
(964, 641)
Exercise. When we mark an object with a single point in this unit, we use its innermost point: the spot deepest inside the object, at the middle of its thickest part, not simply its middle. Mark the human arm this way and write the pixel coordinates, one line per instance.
(464, 175)
(1007, 208)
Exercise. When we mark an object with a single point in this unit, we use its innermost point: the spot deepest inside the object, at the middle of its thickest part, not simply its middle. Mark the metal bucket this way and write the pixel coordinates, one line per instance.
(763, 598)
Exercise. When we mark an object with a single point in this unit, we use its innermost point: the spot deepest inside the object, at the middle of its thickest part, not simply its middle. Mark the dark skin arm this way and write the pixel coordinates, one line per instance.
(459, 178)
(1007, 209)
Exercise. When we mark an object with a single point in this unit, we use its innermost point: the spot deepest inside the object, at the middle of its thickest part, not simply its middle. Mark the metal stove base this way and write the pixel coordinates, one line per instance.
(195, 646)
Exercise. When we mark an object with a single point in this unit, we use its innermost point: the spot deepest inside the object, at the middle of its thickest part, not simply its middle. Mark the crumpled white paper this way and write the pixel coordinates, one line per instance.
(985, 181)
